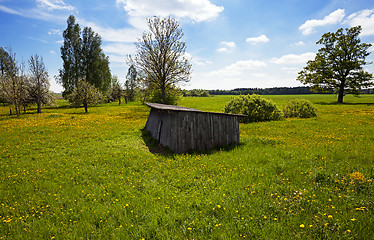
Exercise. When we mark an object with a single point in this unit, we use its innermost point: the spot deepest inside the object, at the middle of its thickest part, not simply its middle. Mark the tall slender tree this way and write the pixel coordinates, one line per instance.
(83, 58)
(71, 52)
(95, 67)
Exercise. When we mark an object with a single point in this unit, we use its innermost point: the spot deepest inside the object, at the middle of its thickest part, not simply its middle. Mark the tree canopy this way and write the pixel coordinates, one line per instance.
(85, 94)
(83, 58)
(160, 57)
(338, 66)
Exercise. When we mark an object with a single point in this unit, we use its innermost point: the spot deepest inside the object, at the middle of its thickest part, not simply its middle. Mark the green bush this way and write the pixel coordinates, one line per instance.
(256, 108)
(299, 108)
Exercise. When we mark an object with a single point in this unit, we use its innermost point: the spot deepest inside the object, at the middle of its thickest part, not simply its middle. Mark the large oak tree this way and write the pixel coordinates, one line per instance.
(338, 65)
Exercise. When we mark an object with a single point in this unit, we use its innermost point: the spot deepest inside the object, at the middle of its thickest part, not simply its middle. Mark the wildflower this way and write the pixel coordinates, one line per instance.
(357, 176)
(348, 231)
(330, 216)
(302, 225)
(353, 219)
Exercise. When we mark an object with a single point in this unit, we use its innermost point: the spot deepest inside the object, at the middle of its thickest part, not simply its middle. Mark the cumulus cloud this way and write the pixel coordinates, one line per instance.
(197, 10)
(335, 17)
(227, 47)
(294, 59)
(259, 39)
(365, 19)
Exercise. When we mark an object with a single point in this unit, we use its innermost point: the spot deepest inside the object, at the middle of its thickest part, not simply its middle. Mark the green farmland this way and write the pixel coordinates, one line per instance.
(69, 175)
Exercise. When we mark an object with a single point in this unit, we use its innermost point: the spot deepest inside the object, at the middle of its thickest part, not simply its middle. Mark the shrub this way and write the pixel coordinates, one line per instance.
(256, 108)
(299, 108)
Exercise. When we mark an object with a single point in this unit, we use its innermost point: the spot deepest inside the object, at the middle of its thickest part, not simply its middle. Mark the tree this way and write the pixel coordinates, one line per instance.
(338, 65)
(161, 56)
(130, 84)
(38, 83)
(116, 90)
(11, 83)
(83, 58)
(71, 56)
(85, 94)
(95, 68)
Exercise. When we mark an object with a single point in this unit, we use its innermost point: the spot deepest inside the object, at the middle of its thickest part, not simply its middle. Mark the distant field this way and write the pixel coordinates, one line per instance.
(69, 175)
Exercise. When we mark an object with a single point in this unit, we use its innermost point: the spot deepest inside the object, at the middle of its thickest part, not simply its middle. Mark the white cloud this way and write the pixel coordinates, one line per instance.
(238, 68)
(259, 39)
(365, 19)
(113, 35)
(197, 60)
(294, 59)
(55, 31)
(52, 52)
(54, 5)
(298, 44)
(333, 18)
(42, 11)
(228, 47)
(197, 10)
(11, 11)
(119, 48)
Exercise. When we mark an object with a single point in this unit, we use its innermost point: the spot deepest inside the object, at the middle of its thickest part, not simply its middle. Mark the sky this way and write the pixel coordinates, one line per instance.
(230, 43)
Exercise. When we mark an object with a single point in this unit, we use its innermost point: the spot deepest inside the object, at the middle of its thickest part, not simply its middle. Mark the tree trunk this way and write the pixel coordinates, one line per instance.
(39, 108)
(163, 93)
(119, 101)
(341, 92)
(85, 108)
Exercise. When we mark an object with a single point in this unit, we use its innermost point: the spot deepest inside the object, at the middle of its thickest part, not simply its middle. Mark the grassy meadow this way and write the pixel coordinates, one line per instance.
(69, 175)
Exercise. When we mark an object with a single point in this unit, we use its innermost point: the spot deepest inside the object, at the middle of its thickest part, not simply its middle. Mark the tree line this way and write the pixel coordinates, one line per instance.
(23, 84)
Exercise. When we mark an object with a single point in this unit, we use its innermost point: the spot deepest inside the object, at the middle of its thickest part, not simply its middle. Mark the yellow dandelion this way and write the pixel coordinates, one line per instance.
(330, 216)
(353, 219)
(302, 225)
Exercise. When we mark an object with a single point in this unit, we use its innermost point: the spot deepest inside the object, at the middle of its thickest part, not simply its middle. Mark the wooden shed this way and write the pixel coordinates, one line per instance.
(184, 129)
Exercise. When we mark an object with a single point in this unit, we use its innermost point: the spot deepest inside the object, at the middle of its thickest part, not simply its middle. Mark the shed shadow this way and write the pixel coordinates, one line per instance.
(158, 149)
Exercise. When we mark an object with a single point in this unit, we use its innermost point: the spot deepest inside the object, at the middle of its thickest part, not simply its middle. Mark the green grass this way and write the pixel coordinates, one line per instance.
(69, 175)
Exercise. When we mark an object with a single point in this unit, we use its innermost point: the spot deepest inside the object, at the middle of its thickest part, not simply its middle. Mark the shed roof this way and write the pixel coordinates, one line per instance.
(184, 109)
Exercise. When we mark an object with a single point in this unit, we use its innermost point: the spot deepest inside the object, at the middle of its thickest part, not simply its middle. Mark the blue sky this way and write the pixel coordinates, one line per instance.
(231, 43)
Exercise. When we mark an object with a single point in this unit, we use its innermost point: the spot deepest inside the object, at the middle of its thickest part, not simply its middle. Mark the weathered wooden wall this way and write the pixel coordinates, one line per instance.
(182, 131)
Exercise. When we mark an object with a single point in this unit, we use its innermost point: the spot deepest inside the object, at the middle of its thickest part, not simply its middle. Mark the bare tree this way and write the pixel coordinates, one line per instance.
(161, 56)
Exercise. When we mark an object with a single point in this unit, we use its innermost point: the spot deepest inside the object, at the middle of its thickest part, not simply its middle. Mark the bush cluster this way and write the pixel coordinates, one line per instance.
(255, 107)
(299, 108)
